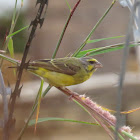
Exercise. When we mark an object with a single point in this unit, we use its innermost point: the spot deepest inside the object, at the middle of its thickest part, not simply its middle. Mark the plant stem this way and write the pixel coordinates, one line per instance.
(92, 112)
(122, 75)
(93, 29)
(64, 29)
(17, 90)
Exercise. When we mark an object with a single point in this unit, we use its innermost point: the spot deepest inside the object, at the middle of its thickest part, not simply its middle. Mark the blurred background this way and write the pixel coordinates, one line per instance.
(101, 88)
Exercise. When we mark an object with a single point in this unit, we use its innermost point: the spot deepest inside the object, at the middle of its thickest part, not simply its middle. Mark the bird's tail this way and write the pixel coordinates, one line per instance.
(30, 67)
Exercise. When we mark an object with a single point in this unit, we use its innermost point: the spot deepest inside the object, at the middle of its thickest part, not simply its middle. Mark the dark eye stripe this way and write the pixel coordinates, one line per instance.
(92, 62)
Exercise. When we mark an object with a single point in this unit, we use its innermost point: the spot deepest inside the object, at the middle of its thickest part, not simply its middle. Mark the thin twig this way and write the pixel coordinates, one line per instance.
(77, 98)
(64, 29)
(17, 90)
(96, 115)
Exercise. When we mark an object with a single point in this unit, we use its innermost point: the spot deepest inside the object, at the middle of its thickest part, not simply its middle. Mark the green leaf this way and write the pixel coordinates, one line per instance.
(97, 40)
(16, 32)
(46, 90)
(119, 133)
(32, 122)
(129, 135)
(14, 13)
(102, 50)
(11, 48)
(39, 101)
(68, 5)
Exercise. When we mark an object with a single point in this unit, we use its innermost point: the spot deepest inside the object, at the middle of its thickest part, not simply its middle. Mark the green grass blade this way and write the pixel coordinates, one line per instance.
(39, 101)
(129, 135)
(46, 90)
(68, 5)
(11, 48)
(93, 30)
(32, 122)
(93, 116)
(102, 50)
(13, 61)
(14, 13)
(97, 40)
(16, 32)
(119, 134)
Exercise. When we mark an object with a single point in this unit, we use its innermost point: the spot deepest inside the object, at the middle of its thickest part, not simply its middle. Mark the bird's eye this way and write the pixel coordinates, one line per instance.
(92, 62)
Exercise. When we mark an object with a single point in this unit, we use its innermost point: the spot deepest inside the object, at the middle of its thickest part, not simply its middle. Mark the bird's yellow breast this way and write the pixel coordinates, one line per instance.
(60, 79)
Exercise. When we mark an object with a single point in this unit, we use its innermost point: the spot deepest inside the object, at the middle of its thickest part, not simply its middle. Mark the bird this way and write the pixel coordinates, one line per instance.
(67, 71)
(61, 72)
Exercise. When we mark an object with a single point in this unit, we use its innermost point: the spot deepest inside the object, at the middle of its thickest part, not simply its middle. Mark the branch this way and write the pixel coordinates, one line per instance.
(92, 109)
(17, 90)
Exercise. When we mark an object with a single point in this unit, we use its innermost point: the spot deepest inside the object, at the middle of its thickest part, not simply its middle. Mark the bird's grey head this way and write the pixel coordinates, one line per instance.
(90, 63)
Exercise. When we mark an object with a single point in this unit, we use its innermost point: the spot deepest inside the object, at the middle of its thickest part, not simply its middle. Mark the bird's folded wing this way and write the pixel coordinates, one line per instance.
(56, 66)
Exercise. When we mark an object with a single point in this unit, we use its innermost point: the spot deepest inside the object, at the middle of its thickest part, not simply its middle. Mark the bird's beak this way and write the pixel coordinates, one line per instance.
(98, 65)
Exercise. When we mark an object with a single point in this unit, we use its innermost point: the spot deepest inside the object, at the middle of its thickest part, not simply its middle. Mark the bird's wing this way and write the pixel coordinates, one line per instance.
(55, 65)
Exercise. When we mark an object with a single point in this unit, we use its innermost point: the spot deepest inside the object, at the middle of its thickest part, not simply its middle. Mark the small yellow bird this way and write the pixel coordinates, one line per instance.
(66, 71)
(61, 72)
